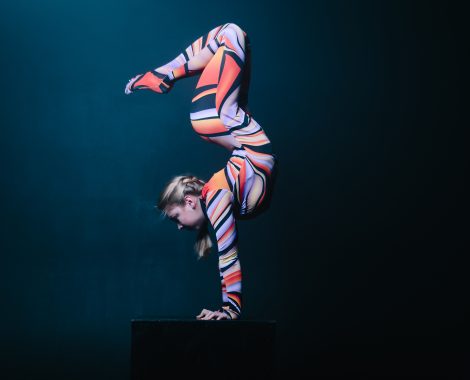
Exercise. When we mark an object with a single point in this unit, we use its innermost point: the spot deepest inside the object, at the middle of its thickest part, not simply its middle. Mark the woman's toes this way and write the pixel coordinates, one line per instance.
(131, 81)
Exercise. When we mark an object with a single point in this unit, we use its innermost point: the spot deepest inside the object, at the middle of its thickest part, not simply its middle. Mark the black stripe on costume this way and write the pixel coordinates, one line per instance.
(204, 103)
(228, 266)
(210, 228)
(214, 134)
(213, 197)
(235, 165)
(236, 155)
(222, 27)
(230, 303)
(241, 47)
(226, 313)
(224, 251)
(221, 69)
(236, 187)
(227, 216)
(265, 148)
(256, 168)
(227, 178)
(203, 206)
(247, 134)
(236, 58)
(201, 89)
(246, 121)
(217, 33)
(238, 79)
(207, 118)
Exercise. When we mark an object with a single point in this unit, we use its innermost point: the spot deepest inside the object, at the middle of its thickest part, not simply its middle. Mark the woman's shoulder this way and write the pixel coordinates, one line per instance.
(217, 182)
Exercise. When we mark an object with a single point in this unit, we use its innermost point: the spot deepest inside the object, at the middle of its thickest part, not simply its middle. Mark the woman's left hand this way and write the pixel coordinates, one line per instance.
(207, 314)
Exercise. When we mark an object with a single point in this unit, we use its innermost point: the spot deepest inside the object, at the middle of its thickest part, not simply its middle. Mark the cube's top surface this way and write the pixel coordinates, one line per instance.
(193, 320)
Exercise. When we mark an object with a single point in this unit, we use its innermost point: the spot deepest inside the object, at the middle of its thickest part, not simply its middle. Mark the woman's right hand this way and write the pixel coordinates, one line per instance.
(207, 315)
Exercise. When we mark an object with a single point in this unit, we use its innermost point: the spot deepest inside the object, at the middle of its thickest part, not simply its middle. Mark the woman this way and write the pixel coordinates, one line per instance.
(219, 114)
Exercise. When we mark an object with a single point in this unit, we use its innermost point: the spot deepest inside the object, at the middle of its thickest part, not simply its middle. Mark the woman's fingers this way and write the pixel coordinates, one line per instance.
(206, 315)
(221, 316)
(203, 313)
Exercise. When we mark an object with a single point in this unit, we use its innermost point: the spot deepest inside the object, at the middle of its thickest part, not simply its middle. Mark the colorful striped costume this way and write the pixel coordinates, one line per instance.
(242, 189)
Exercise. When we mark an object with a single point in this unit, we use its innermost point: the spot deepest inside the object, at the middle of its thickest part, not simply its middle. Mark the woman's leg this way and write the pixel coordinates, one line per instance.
(251, 177)
(221, 93)
(216, 115)
(190, 62)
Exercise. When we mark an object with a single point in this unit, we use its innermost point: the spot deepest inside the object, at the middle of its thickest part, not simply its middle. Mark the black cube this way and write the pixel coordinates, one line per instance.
(176, 348)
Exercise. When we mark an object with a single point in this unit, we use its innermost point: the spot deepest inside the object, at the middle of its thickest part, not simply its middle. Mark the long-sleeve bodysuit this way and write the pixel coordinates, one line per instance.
(242, 189)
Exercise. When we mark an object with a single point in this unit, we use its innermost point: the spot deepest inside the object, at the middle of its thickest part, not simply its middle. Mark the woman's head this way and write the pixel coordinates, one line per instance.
(188, 215)
(179, 201)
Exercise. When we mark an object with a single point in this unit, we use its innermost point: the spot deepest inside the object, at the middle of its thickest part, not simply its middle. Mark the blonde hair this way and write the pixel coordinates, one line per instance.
(173, 194)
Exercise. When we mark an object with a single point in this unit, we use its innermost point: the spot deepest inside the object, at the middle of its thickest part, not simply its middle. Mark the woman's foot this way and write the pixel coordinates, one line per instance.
(151, 80)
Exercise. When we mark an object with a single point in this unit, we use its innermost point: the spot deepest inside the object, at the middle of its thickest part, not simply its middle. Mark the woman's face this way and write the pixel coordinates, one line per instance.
(188, 216)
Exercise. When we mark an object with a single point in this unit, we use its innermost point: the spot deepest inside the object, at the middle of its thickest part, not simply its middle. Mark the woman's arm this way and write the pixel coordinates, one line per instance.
(222, 219)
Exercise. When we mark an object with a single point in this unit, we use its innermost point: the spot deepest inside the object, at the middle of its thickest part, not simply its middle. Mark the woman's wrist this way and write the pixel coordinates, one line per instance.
(230, 313)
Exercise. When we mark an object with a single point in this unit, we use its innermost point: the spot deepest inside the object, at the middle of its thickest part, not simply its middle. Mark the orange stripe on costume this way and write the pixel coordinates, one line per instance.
(254, 153)
(204, 93)
(210, 75)
(234, 297)
(219, 210)
(233, 278)
(217, 181)
(230, 70)
(264, 167)
(208, 126)
(227, 233)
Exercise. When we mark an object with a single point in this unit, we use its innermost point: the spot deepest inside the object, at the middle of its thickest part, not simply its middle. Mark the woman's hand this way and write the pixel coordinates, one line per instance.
(207, 314)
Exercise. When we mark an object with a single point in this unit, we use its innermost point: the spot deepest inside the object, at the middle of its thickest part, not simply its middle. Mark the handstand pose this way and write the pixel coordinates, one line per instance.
(219, 114)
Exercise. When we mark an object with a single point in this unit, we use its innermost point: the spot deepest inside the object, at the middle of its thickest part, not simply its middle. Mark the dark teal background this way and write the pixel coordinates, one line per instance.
(354, 259)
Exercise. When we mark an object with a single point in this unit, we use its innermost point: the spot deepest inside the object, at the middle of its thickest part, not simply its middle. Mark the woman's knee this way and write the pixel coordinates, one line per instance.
(234, 26)
(234, 30)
